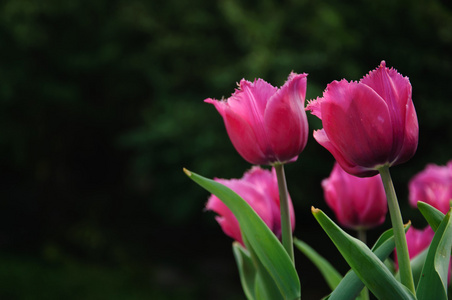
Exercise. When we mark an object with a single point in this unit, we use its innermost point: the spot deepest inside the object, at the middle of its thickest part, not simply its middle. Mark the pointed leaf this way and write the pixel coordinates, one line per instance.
(351, 285)
(433, 281)
(265, 288)
(329, 273)
(369, 268)
(247, 270)
(433, 216)
(268, 249)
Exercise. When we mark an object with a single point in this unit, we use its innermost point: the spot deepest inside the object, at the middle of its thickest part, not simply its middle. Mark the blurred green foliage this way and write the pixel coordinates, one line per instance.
(101, 107)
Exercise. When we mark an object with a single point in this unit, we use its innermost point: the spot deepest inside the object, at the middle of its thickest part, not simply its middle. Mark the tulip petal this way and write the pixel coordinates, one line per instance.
(395, 89)
(225, 218)
(250, 102)
(411, 136)
(348, 166)
(285, 118)
(358, 123)
(314, 107)
(433, 185)
(241, 134)
(255, 197)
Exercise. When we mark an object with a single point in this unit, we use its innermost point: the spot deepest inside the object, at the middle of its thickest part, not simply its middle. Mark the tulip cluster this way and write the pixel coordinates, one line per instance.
(368, 126)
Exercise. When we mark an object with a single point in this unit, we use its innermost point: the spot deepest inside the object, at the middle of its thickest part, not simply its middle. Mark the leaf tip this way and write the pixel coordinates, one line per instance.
(187, 172)
(408, 224)
(314, 210)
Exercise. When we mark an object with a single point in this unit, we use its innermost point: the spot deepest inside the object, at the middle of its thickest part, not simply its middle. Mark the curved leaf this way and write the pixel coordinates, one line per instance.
(268, 249)
(369, 268)
(351, 285)
(431, 214)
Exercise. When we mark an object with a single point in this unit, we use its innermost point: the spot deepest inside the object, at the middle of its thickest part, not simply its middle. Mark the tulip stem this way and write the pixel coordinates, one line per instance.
(362, 236)
(286, 226)
(406, 276)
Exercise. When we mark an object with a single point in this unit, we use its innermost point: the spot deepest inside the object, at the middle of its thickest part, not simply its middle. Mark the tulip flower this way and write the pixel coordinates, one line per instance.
(433, 186)
(368, 124)
(266, 125)
(359, 203)
(259, 188)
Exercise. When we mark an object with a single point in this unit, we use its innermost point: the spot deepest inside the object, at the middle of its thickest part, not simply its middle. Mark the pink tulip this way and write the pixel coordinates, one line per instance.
(359, 203)
(259, 188)
(368, 124)
(433, 186)
(266, 124)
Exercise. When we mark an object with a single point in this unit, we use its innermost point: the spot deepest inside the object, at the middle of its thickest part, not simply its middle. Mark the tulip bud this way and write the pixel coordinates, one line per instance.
(359, 203)
(266, 125)
(259, 188)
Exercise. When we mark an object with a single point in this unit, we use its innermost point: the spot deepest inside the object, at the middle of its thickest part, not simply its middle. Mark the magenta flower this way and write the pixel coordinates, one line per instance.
(266, 124)
(259, 188)
(359, 203)
(433, 186)
(368, 124)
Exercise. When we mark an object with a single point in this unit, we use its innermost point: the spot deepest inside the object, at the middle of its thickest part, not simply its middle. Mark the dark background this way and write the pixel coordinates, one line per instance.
(101, 106)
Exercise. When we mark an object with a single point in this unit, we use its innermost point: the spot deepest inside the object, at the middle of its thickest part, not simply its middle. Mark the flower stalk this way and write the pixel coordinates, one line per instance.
(286, 227)
(406, 276)
(362, 236)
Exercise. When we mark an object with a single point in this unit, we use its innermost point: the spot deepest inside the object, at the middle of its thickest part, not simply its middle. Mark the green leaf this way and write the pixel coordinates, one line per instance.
(332, 277)
(268, 249)
(433, 281)
(351, 285)
(369, 268)
(264, 287)
(431, 214)
(247, 271)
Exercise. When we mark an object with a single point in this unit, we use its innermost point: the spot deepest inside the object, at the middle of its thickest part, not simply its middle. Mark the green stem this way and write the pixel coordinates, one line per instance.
(286, 226)
(406, 276)
(362, 236)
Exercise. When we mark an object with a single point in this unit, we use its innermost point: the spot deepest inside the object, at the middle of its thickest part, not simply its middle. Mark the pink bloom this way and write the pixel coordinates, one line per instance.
(433, 186)
(418, 240)
(266, 124)
(259, 188)
(359, 203)
(369, 123)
